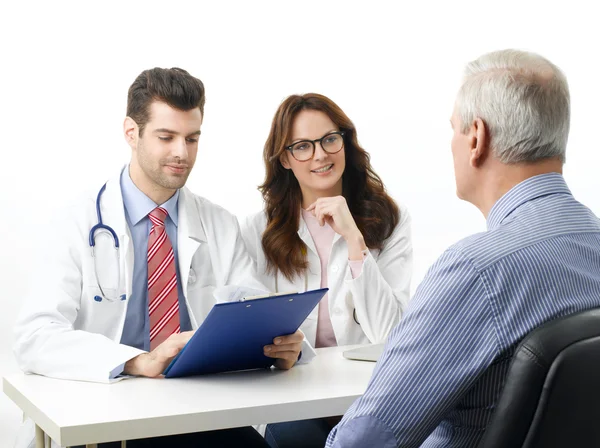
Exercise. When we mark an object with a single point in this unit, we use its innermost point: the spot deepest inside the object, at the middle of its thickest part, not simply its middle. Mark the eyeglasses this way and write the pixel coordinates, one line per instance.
(304, 150)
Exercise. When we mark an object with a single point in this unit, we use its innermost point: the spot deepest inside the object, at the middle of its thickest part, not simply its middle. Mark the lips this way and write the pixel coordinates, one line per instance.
(323, 169)
(177, 168)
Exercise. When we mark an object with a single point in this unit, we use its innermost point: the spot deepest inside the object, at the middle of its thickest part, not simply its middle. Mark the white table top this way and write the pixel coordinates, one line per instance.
(75, 413)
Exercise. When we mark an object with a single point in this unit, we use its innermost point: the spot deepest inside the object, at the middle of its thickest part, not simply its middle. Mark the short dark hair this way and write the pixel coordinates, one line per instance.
(173, 86)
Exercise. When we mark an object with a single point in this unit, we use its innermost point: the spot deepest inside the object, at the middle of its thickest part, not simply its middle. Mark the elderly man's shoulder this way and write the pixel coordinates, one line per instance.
(486, 248)
(519, 232)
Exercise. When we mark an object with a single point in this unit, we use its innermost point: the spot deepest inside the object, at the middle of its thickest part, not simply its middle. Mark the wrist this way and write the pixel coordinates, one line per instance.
(354, 237)
(356, 246)
(284, 364)
(135, 366)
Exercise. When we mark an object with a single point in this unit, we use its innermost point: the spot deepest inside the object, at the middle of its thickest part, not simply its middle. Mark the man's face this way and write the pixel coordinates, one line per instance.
(461, 151)
(166, 152)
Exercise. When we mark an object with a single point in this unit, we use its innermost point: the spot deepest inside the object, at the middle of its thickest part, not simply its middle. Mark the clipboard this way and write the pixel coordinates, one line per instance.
(233, 334)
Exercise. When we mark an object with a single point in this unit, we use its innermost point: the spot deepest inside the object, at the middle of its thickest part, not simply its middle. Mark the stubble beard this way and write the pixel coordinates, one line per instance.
(155, 174)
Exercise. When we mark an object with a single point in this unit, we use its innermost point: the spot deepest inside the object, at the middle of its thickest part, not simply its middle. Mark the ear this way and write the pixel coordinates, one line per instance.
(130, 131)
(479, 139)
(283, 159)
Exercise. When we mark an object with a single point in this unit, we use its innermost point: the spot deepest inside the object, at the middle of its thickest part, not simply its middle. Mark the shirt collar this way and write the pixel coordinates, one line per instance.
(529, 189)
(138, 205)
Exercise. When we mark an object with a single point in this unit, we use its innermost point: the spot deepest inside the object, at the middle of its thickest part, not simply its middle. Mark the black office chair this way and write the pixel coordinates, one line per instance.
(552, 393)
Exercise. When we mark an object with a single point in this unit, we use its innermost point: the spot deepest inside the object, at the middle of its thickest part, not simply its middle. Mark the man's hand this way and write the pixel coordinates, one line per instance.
(286, 349)
(153, 364)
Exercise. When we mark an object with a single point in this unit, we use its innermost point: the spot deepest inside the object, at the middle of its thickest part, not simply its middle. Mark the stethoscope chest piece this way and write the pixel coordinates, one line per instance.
(123, 297)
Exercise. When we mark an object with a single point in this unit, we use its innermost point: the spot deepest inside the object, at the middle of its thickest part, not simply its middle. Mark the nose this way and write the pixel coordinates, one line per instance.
(180, 149)
(320, 153)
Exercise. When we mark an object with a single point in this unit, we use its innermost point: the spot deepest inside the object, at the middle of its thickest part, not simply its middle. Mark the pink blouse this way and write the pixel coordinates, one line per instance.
(323, 239)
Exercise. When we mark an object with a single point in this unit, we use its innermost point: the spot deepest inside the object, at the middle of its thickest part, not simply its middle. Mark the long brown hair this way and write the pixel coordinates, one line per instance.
(375, 212)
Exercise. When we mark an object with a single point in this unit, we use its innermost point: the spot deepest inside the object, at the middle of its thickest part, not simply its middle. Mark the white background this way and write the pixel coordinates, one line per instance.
(393, 67)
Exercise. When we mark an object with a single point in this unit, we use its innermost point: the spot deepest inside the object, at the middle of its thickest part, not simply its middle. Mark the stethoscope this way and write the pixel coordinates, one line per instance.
(306, 289)
(101, 227)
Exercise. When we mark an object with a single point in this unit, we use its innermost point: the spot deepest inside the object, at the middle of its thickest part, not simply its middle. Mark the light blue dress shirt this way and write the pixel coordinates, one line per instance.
(136, 332)
(444, 365)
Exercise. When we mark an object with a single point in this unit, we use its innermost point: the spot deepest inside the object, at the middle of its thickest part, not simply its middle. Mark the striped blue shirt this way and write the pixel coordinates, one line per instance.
(443, 368)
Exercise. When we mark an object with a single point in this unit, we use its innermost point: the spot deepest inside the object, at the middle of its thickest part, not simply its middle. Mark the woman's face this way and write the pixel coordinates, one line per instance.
(320, 176)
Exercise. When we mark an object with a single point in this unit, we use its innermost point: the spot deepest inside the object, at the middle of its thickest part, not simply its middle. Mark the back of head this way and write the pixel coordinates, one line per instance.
(173, 86)
(523, 99)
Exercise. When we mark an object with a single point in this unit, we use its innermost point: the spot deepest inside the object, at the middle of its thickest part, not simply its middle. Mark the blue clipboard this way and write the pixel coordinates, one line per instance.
(233, 334)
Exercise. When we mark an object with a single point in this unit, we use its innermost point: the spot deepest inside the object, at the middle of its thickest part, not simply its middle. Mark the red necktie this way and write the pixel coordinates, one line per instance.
(162, 281)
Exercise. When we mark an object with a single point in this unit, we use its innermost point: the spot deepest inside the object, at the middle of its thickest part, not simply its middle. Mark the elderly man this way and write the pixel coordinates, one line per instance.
(444, 365)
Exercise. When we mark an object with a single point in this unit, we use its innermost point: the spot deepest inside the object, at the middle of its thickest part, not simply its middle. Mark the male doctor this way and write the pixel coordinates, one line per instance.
(95, 316)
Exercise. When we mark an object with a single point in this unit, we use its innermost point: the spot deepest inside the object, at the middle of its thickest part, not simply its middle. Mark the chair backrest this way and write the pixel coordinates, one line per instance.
(551, 397)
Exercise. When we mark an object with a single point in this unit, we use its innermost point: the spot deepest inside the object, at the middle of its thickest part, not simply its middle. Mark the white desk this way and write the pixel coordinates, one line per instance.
(78, 413)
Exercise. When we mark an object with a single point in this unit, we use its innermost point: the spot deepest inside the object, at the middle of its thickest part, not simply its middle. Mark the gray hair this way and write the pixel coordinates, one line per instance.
(523, 99)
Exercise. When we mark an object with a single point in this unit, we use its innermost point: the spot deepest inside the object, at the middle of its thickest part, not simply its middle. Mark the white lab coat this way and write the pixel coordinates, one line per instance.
(62, 332)
(379, 294)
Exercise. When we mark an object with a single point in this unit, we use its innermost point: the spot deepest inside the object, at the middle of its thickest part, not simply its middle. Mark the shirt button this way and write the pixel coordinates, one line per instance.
(337, 311)
(334, 268)
(192, 277)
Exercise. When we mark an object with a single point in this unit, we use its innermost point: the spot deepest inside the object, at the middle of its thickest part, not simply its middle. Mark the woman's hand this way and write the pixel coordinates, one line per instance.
(335, 212)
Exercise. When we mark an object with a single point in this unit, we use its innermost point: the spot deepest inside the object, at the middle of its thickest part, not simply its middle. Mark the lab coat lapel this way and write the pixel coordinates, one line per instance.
(336, 237)
(305, 236)
(190, 234)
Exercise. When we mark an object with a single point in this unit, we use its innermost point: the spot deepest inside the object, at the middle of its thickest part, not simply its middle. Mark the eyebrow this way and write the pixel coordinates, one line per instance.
(169, 131)
(309, 140)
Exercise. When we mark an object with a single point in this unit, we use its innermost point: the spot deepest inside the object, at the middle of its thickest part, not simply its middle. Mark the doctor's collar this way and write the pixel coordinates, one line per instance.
(138, 205)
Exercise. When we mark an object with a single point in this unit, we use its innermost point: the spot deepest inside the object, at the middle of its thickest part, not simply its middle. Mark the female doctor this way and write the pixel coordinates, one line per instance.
(328, 222)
